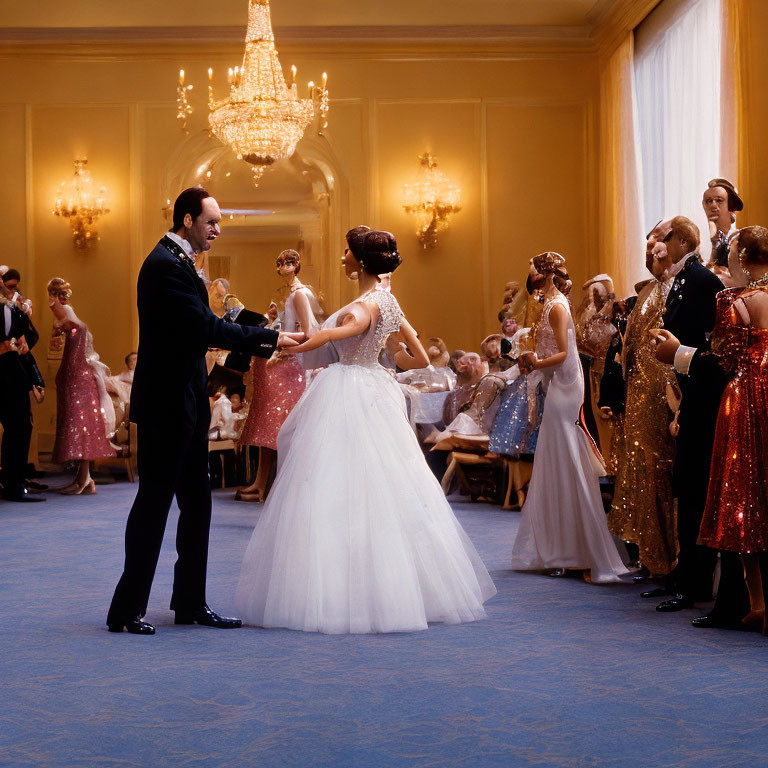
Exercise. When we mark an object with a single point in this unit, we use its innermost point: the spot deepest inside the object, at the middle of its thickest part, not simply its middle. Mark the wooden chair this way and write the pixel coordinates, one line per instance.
(126, 447)
(219, 446)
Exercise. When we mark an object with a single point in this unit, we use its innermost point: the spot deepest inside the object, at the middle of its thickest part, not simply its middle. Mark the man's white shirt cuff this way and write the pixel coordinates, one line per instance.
(683, 358)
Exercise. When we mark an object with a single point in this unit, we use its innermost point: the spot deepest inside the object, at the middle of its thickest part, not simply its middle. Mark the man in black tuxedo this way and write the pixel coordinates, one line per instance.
(701, 371)
(690, 317)
(176, 327)
(17, 337)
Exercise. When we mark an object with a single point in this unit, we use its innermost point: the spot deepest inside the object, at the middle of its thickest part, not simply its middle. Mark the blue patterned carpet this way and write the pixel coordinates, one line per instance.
(561, 674)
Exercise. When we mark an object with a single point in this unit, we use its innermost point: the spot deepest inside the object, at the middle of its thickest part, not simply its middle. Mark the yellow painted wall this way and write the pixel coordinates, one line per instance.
(753, 160)
(515, 130)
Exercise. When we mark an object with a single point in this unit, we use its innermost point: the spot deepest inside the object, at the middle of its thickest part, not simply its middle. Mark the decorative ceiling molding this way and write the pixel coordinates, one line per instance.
(621, 18)
(608, 19)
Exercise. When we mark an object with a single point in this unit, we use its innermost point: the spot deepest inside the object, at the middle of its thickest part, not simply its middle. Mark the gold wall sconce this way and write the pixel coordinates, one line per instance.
(77, 201)
(433, 199)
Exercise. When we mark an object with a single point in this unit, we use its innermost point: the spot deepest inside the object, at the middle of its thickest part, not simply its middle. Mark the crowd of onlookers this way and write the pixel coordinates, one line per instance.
(675, 401)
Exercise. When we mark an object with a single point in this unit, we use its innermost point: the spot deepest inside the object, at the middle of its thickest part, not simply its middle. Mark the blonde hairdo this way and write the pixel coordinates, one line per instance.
(59, 285)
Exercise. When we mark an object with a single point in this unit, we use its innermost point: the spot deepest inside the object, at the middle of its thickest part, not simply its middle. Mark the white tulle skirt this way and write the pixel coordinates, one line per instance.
(356, 535)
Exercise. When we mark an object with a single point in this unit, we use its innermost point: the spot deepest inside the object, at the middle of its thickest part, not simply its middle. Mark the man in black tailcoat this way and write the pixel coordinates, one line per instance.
(690, 318)
(176, 327)
(17, 337)
(705, 381)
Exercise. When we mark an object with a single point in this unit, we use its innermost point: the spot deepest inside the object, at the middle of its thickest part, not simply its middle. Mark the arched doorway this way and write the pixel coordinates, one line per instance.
(300, 203)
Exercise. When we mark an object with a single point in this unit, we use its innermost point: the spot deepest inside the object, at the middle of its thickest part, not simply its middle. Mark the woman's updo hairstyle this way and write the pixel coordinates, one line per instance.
(353, 240)
(753, 245)
(551, 263)
(290, 256)
(58, 286)
(376, 250)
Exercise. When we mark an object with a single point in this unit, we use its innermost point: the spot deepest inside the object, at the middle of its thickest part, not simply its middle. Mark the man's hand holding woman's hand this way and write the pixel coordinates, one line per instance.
(286, 340)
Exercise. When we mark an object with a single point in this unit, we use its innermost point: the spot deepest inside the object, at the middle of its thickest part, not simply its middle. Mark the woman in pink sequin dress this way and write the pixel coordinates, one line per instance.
(279, 382)
(82, 404)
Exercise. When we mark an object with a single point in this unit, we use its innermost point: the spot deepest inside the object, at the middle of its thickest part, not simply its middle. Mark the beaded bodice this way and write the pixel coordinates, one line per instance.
(364, 348)
(546, 344)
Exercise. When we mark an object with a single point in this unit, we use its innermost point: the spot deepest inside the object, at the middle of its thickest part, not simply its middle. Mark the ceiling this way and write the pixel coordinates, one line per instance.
(422, 14)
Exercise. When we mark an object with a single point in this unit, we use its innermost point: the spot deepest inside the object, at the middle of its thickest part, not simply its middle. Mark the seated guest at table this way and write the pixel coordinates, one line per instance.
(490, 346)
(454, 358)
(121, 384)
(438, 354)
(225, 423)
(469, 371)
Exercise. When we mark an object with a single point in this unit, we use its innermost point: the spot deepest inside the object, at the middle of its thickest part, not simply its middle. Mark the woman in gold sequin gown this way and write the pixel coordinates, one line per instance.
(643, 509)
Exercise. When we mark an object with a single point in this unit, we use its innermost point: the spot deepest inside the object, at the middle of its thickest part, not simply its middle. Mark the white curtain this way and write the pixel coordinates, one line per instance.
(621, 234)
(678, 77)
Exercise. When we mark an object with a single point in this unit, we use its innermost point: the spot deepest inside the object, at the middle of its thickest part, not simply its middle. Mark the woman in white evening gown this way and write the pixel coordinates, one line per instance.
(563, 522)
(356, 535)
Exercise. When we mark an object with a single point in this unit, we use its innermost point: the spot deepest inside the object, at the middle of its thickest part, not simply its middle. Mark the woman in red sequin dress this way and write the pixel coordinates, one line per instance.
(736, 515)
(81, 401)
(279, 382)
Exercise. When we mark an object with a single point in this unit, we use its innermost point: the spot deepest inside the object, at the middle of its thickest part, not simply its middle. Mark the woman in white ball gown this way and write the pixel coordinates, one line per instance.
(356, 535)
(563, 523)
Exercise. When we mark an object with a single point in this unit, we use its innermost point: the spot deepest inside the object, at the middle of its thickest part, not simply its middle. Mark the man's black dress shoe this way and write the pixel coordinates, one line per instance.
(207, 618)
(657, 592)
(134, 626)
(23, 495)
(675, 603)
(33, 486)
(713, 621)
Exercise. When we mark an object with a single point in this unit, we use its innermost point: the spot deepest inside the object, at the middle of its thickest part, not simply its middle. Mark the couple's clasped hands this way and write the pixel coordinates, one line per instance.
(286, 340)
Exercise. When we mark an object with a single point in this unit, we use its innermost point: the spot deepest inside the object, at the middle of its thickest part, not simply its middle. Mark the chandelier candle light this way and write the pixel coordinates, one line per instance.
(263, 118)
(81, 206)
(433, 199)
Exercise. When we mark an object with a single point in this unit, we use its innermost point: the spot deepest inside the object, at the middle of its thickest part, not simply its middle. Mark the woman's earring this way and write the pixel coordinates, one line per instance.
(353, 276)
(742, 253)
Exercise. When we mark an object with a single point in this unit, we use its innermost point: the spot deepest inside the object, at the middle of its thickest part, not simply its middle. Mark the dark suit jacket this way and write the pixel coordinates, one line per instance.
(176, 328)
(690, 315)
(13, 366)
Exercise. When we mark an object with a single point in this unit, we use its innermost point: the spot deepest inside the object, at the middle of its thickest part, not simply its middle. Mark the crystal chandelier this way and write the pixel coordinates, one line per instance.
(433, 199)
(263, 118)
(78, 203)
